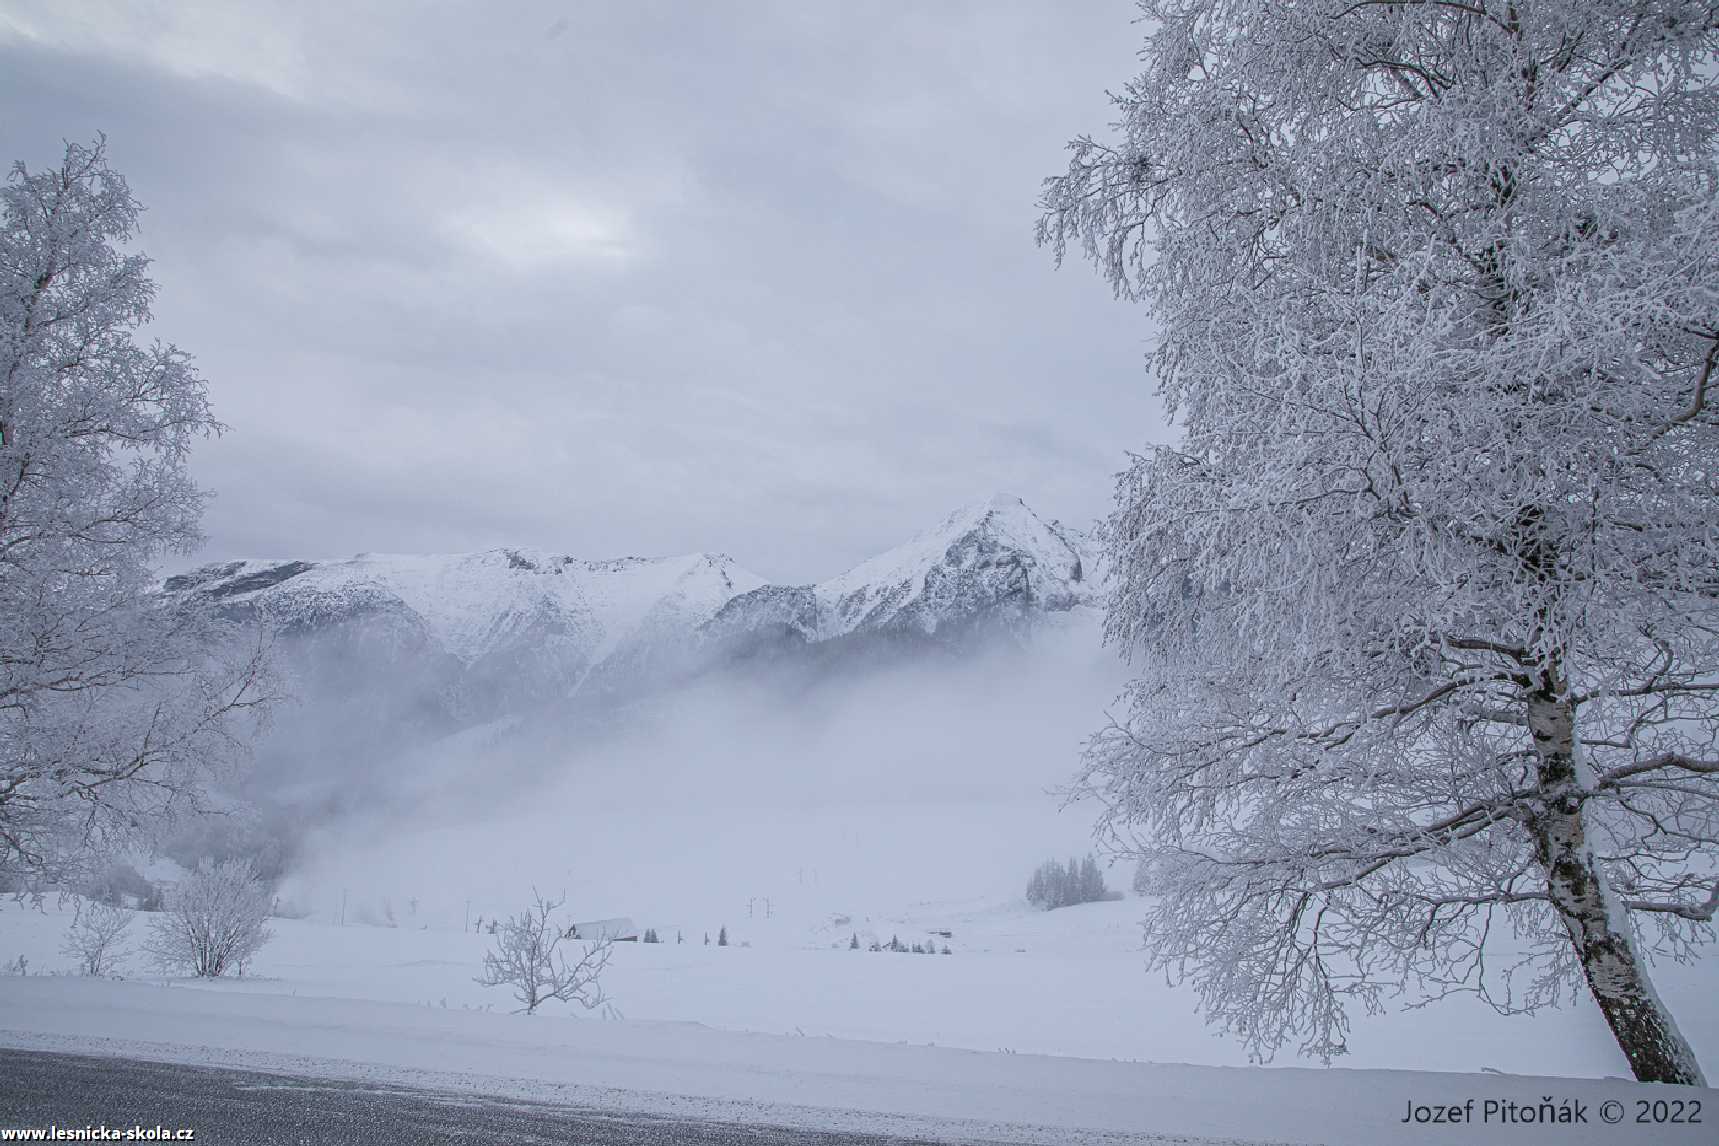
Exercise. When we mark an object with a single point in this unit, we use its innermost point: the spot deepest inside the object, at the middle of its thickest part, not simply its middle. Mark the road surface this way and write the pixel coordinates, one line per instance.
(72, 1092)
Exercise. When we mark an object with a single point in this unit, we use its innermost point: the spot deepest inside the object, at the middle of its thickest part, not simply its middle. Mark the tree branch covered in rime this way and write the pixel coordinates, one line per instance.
(1425, 601)
(528, 958)
(113, 705)
(94, 936)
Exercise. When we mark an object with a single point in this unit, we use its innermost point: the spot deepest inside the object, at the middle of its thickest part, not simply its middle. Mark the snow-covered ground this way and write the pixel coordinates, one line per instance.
(693, 1070)
(1059, 983)
(908, 803)
(796, 1019)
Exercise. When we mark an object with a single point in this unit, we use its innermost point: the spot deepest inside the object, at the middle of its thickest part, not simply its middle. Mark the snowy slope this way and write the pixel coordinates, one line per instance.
(995, 560)
(470, 605)
(994, 556)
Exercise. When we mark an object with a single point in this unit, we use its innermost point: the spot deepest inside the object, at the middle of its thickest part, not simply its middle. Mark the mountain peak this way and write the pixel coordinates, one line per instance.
(994, 555)
(1001, 502)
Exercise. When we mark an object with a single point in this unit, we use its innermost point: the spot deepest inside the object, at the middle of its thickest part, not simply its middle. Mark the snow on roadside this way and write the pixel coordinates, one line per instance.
(1064, 983)
(690, 1070)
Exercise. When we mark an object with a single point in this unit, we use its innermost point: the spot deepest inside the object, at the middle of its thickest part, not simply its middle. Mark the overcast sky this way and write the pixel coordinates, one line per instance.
(610, 278)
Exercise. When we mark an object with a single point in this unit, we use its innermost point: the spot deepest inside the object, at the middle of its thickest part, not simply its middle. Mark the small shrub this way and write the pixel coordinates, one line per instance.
(214, 921)
(93, 938)
(528, 958)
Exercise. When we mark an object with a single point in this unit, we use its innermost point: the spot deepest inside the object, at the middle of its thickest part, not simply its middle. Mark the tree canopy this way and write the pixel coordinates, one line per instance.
(1424, 601)
(113, 705)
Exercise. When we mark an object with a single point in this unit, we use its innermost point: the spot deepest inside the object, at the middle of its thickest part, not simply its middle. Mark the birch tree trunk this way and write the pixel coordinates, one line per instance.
(1589, 910)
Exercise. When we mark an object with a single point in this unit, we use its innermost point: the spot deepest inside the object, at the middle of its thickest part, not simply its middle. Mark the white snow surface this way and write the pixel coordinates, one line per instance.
(686, 1069)
(794, 1028)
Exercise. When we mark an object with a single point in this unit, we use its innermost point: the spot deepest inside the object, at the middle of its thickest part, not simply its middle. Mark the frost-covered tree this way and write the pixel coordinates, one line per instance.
(1092, 888)
(214, 922)
(1425, 600)
(1055, 884)
(94, 936)
(113, 705)
(1038, 888)
(528, 958)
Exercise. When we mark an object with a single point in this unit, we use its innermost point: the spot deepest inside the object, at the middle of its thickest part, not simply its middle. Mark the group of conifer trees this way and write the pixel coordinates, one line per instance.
(1057, 884)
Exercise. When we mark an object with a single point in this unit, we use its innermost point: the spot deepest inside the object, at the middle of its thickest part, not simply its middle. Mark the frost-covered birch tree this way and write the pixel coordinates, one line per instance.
(1425, 599)
(113, 705)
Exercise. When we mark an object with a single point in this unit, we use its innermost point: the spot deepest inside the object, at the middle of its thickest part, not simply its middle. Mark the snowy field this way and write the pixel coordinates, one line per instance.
(797, 834)
(796, 1020)
(1057, 983)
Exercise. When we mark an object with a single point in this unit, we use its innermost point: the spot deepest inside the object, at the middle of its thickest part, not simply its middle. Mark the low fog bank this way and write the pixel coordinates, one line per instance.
(931, 778)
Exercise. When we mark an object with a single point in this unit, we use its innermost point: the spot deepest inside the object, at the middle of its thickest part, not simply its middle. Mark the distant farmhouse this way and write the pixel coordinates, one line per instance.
(621, 930)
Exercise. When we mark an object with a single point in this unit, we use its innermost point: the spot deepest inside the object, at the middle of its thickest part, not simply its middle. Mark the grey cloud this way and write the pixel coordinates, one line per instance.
(612, 278)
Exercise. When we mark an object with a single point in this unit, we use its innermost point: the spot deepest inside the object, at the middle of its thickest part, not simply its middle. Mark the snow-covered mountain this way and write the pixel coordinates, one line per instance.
(475, 606)
(995, 561)
(989, 564)
(386, 650)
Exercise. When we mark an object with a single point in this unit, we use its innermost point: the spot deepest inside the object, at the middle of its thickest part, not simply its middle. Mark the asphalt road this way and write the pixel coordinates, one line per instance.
(232, 1106)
